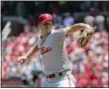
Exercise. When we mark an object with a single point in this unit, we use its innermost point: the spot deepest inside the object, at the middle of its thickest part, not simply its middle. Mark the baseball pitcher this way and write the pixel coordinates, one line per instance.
(51, 46)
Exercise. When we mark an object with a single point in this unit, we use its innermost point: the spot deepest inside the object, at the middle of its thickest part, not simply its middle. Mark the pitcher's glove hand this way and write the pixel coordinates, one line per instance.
(85, 36)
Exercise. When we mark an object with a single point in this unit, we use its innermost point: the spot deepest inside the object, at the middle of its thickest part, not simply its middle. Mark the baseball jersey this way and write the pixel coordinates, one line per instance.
(53, 51)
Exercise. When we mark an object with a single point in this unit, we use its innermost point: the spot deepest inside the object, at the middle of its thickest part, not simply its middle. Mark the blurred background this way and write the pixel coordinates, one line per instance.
(19, 32)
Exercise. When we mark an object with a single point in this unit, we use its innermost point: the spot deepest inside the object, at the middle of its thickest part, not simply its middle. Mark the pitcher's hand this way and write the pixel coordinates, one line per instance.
(22, 59)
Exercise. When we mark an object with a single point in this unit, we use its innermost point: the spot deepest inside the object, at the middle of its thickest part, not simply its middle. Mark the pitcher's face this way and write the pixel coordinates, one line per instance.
(46, 27)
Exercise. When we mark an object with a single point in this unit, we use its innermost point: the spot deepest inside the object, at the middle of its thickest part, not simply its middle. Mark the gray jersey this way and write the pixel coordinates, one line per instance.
(53, 52)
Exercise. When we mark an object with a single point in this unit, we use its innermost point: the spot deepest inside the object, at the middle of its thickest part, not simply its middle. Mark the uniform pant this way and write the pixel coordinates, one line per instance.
(67, 80)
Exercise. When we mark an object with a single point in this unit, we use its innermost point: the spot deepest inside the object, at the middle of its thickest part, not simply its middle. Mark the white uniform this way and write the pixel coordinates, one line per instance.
(55, 59)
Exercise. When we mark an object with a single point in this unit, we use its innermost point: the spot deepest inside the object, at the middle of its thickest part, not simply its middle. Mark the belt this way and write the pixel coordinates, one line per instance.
(56, 74)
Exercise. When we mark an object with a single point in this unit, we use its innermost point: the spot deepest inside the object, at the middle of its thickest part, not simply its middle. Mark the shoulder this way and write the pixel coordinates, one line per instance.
(61, 30)
(57, 32)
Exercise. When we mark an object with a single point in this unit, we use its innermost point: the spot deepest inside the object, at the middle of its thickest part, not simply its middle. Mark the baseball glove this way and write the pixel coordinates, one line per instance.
(84, 37)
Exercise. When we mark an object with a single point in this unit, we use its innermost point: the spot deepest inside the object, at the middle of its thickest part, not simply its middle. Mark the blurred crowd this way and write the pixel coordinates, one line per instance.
(89, 65)
(22, 8)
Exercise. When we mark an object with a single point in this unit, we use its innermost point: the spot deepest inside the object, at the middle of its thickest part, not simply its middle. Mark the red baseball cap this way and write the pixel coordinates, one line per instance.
(43, 18)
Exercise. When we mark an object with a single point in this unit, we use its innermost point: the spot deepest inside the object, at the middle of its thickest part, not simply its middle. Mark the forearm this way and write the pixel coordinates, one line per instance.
(77, 27)
(32, 51)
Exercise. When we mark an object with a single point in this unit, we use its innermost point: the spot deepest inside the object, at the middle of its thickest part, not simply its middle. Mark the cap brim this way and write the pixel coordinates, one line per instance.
(43, 22)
